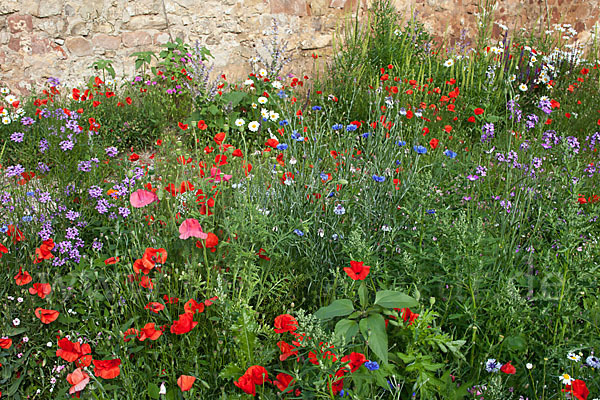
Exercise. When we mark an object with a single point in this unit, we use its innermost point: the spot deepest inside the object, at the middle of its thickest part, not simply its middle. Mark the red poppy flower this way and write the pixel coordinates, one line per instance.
(478, 111)
(285, 323)
(3, 250)
(44, 251)
(191, 228)
(434, 143)
(258, 374)
(141, 198)
(112, 260)
(41, 289)
(578, 389)
(22, 278)
(78, 381)
(159, 142)
(287, 350)
(5, 343)
(146, 282)
(282, 381)
(261, 254)
(471, 119)
(408, 315)
(184, 324)
(155, 307)
(357, 271)
(272, 143)
(185, 382)
(128, 333)
(72, 351)
(237, 153)
(448, 128)
(107, 369)
(245, 383)
(155, 256)
(192, 307)
(508, 368)
(46, 316)
(202, 125)
(354, 360)
(149, 332)
(211, 241)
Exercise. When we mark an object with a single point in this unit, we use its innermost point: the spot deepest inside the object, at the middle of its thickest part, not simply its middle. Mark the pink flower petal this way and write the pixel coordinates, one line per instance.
(191, 228)
(141, 198)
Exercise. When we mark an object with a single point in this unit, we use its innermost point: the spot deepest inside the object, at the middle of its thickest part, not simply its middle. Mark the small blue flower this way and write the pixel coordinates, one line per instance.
(30, 194)
(265, 119)
(342, 393)
(282, 94)
(337, 127)
(282, 146)
(372, 365)
(351, 128)
(297, 137)
(283, 122)
(298, 232)
(449, 153)
(378, 178)
(331, 194)
(366, 135)
(430, 211)
(398, 162)
(27, 218)
(3, 229)
(401, 143)
(316, 108)
(420, 149)
(324, 176)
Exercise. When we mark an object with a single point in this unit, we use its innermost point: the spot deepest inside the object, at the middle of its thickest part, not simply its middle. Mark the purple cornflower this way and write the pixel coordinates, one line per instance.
(17, 137)
(573, 143)
(72, 233)
(111, 151)
(43, 167)
(44, 197)
(514, 109)
(53, 82)
(545, 105)
(84, 166)
(472, 178)
(488, 132)
(14, 170)
(43, 145)
(481, 170)
(124, 212)
(67, 145)
(532, 119)
(97, 245)
(72, 215)
(102, 206)
(95, 192)
(27, 121)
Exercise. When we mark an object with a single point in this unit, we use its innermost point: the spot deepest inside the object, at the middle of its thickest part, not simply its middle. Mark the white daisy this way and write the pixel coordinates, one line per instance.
(277, 85)
(264, 113)
(248, 82)
(253, 126)
(523, 87)
(573, 357)
(263, 100)
(566, 379)
(240, 122)
(262, 72)
(254, 106)
(273, 116)
(4, 90)
(6, 120)
(449, 62)
(10, 98)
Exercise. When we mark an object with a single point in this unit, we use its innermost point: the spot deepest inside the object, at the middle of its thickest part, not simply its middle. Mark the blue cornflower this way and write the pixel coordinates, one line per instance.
(491, 365)
(316, 108)
(283, 122)
(401, 143)
(282, 94)
(282, 146)
(351, 128)
(297, 137)
(420, 149)
(30, 194)
(398, 162)
(337, 127)
(430, 211)
(27, 218)
(324, 176)
(298, 232)
(378, 178)
(3, 229)
(366, 135)
(449, 153)
(372, 365)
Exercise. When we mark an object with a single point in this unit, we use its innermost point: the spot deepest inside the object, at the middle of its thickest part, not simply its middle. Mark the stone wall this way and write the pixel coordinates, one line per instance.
(61, 38)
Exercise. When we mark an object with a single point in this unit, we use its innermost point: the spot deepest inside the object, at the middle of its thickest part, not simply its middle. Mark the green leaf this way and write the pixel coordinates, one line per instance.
(153, 390)
(516, 343)
(339, 308)
(346, 328)
(363, 295)
(392, 299)
(231, 371)
(373, 329)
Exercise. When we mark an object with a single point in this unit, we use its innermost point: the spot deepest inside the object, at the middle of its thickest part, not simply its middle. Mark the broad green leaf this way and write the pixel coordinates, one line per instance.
(363, 295)
(346, 328)
(392, 299)
(339, 308)
(153, 390)
(373, 329)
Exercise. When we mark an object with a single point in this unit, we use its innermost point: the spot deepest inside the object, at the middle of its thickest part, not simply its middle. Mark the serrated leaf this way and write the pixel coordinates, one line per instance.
(393, 299)
(338, 308)
(153, 390)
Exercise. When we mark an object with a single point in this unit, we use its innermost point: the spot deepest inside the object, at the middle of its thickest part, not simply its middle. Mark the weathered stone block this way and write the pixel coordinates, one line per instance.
(106, 42)
(291, 7)
(79, 46)
(141, 22)
(19, 23)
(48, 8)
(137, 38)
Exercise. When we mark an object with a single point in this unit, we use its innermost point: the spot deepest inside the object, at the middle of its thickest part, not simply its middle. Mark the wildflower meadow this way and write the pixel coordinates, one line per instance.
(404, 220)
